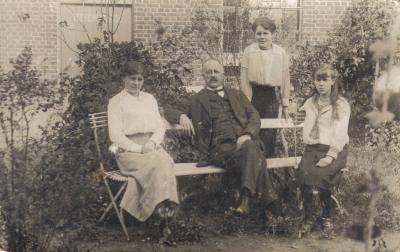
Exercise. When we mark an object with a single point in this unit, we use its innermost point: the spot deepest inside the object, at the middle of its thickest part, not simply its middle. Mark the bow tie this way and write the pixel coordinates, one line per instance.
(216, 90)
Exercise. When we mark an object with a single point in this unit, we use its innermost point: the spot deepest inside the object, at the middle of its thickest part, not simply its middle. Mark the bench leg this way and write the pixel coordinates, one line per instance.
(120, 218)
(113, 198)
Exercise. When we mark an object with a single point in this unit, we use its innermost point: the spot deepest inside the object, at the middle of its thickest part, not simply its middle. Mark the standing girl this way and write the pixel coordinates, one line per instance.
(265, 70)
(326, 138)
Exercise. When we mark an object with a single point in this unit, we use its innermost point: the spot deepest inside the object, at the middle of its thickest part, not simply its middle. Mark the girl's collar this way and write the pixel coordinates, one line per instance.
(135, 96)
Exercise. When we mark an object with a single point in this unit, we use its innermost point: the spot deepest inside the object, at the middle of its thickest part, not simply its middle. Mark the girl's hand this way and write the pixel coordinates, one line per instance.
(327, 160)
(149, 147)
(285, 113)
(300, 116)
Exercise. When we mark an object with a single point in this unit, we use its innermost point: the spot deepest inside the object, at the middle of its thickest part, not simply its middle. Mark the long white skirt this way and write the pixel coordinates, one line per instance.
(152, 180)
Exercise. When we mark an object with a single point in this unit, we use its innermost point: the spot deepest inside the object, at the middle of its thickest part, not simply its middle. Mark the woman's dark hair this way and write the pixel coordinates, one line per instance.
(265, 22)
(132, 68)
(324, 71)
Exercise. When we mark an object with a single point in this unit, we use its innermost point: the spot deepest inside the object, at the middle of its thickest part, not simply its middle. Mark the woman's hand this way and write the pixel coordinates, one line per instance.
(325, 161)
(150, 146)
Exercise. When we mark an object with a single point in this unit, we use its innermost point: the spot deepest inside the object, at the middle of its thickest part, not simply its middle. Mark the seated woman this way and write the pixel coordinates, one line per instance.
(136, 127)
(326, 138)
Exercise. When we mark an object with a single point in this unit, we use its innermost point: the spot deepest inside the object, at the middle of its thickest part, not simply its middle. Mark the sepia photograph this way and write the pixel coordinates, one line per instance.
(200, 125)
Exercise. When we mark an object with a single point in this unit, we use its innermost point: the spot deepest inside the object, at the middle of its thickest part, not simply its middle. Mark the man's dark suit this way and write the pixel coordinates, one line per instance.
(248, 160)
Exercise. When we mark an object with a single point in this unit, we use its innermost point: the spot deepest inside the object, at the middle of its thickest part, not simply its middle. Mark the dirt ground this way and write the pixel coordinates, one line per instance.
(247, 243)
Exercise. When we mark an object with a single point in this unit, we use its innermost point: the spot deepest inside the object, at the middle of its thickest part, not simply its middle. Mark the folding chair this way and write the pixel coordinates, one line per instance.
(98, 121)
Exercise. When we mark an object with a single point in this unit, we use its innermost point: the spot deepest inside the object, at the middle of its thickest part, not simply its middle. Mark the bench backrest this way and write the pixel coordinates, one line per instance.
(100, 120)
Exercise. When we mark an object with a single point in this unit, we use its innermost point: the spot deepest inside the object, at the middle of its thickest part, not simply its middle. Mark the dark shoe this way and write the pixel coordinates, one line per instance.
(327, 231)
(202, 163)
(244, 206)
(166, 209)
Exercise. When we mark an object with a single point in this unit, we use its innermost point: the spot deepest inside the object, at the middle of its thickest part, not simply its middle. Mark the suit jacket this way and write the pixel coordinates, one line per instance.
(197, 108)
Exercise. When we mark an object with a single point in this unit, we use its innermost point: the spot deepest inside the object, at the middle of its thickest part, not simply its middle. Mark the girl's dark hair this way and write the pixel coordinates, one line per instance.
(132, 68)
(265, 22)
(324, 71)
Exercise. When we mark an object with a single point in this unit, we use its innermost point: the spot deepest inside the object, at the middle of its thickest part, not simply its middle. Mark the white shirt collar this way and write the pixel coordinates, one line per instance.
(126, 94)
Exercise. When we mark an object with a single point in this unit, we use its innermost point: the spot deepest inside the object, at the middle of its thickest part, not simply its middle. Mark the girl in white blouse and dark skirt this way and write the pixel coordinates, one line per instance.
(326, 138)
(264, 71)
(136, 127)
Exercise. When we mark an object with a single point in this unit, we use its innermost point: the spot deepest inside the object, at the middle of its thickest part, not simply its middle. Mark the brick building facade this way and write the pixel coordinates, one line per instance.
(35, 23)
(29, 23)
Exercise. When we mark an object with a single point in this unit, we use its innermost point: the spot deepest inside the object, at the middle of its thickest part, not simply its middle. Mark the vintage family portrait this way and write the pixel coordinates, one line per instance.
(200, 125)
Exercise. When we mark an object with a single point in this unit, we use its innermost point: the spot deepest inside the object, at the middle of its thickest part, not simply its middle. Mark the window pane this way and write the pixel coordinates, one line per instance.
(231, 2)
(231, 42)
(72, 16)
(229, 19)
(292, 3)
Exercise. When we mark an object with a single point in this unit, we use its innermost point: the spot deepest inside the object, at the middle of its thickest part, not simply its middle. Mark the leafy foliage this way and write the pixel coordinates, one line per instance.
(23, 93)
(347, 48)
(388, 135)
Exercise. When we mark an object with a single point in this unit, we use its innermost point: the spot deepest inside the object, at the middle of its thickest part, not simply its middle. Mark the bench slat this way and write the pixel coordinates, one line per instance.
(283, 162)
(98, 121)
(99, 126)
(98, 114)
(185, 169)
(278, 123)
(266, 123)
(95, 118)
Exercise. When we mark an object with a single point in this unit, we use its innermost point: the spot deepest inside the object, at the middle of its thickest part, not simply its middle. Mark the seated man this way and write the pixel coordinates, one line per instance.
(226, 126)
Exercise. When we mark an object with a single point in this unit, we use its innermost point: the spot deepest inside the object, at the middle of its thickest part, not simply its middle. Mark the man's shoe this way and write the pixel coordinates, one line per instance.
(244, 206)
(202, 163)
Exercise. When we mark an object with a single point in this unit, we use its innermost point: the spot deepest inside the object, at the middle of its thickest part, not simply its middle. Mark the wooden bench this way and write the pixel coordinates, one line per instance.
(99, 121)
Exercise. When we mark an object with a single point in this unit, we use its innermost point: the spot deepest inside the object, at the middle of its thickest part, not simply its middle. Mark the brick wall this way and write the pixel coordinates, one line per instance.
(39, 29)
(320, 16)
(29, 23)
(169, 12)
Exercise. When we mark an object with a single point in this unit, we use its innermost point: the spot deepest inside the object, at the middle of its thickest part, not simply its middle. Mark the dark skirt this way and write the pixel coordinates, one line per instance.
(266, 103)
(323, 177)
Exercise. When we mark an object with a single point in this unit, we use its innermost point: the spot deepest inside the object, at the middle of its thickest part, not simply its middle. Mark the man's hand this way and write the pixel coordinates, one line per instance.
(325, 161)
(150, 146)
(241, 140)
(186, 124)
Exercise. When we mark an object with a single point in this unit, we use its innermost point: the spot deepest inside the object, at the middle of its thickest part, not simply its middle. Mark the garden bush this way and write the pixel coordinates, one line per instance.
(355, 192)
(24, 93)
(347, 48)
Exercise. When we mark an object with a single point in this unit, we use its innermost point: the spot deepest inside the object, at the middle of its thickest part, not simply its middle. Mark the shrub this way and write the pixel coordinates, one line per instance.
(354, 189)
(24, 93)
(347, 48)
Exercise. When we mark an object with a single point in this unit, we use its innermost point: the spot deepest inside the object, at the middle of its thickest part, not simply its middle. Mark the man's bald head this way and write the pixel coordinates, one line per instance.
(213, 74)
(212, 63)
